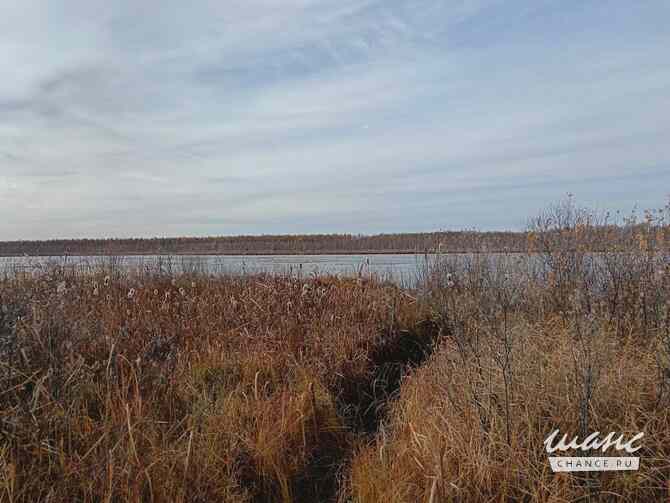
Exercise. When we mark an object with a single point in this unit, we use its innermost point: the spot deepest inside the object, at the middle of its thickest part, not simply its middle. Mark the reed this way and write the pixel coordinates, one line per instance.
(168, 384)
(557, 337)
(148, 386)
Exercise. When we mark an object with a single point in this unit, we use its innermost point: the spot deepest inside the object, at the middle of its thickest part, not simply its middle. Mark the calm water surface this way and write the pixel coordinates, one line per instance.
(399, 268)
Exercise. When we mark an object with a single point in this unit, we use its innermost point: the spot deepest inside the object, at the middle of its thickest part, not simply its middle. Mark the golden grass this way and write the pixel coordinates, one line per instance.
(437, 448)
(133, 388)
(557, 338)
(141, 386)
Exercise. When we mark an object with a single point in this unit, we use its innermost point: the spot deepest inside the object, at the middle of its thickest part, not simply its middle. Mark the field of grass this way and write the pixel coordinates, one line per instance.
(141, 386)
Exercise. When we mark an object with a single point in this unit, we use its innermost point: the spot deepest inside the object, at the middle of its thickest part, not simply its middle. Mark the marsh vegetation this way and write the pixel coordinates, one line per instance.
(140, 385)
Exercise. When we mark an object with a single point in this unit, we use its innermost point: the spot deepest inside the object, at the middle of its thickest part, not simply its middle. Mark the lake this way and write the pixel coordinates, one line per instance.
(398, 268)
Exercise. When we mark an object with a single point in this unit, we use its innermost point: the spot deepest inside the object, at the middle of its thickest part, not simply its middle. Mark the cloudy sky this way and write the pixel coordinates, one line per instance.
(144, 118)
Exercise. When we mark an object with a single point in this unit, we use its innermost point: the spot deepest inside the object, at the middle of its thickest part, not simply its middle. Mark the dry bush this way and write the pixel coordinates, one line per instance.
(560, 337)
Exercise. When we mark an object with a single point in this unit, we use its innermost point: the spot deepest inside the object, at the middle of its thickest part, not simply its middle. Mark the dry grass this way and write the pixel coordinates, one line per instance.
(556, 338)
(129, 388)
(141, 386)
(446, 439)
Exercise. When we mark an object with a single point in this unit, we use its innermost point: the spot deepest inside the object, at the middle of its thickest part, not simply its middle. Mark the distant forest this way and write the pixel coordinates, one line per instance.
(461, 241)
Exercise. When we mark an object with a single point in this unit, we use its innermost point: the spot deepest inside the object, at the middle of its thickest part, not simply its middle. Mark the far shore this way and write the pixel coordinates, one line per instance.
(259, 254)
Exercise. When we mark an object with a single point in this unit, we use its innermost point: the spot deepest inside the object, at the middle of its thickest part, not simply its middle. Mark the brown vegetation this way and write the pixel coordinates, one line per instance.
(559, 338)
(272, 245)
(122, 387)
(141, 386)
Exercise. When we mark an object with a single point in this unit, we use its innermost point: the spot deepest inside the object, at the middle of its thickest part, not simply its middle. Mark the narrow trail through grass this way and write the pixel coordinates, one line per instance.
(364, 402)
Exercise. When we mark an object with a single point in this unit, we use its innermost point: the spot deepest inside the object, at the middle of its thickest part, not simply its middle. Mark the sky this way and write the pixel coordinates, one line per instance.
(170, 118)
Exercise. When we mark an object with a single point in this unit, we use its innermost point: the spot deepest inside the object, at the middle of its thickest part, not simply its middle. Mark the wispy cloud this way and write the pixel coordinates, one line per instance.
(149, 118)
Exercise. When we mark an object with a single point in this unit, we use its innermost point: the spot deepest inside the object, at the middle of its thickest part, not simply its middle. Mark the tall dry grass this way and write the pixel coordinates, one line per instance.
(149, 387)
(166, 385)
(559, 337)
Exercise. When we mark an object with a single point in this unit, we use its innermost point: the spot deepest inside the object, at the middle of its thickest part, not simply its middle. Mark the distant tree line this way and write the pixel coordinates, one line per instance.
(453, 241)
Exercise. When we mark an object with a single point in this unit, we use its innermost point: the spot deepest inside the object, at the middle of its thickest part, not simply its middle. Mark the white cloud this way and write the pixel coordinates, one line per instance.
(294, 115)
